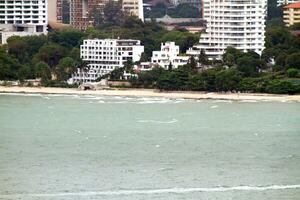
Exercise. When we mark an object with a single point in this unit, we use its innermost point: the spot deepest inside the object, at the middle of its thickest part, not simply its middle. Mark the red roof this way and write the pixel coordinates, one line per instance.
(293, 5)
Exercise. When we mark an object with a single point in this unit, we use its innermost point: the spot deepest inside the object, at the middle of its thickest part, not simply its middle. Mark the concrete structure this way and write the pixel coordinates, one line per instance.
(236, 23)
(134, 7)
(104, 55)
(23, 17)
(168, 55)
(55, 11)
(284, 2)
(291, 14)
(169, 20)
(81, 11)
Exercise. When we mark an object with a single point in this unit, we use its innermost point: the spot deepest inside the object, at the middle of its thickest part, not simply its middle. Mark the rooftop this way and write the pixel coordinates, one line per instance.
(293, 5)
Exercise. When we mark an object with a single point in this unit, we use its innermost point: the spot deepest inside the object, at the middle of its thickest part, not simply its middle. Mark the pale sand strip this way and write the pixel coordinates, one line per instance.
(152, 93)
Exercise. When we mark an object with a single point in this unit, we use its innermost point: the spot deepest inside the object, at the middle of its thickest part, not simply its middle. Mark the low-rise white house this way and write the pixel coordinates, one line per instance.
(104, 55)
(168, 55)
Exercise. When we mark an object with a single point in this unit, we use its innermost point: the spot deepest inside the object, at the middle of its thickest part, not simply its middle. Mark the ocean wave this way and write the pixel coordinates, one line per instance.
(158, 122)
(21, 94)
(248, 101)
(155, 191)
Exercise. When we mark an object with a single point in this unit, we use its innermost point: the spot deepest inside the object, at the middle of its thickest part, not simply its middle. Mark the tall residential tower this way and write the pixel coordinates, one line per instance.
(232, 23)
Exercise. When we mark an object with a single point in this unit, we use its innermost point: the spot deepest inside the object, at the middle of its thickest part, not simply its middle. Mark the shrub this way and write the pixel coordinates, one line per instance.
(292, 72)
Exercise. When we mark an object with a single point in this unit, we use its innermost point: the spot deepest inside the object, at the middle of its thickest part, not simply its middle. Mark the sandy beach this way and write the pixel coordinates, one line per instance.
(151, 93)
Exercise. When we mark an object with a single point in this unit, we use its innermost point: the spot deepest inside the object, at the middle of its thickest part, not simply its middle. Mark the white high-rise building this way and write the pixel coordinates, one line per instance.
(105, 55)
(236, 23)
(23, 17)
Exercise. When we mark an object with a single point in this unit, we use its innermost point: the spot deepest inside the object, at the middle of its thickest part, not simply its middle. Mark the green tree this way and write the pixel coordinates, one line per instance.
(202, 58)
(24, 73)
(293, 61)
(227, 80)
(43, 71)
(18, 47)
(292, 72)
(50, 54)
(248, 66)
(231, 55)
(65, 68)
(67, 37)
(184, 10)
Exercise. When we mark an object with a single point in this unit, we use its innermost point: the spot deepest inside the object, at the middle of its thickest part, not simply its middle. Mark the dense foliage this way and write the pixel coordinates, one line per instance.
(180, 11)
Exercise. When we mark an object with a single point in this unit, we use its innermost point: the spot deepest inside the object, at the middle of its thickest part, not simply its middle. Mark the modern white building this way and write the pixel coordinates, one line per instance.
(236, 23)
(168, 55)
(105, 55)
(22, 17)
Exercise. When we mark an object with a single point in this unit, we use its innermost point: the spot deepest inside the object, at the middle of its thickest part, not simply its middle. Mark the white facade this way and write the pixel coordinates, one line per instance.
(168, 54)
(284, 2)
(103, 56)
(236, 23)
(23, 17)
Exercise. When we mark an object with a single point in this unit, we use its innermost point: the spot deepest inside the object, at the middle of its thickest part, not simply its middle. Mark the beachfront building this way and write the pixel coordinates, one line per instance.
(104, 55)
(232, 23)
(81, 11)
(291, 14)
(22, 18)
(168, 55)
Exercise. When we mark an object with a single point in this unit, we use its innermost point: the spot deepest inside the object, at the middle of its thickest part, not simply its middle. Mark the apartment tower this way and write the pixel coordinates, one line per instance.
(55, 11)
(232, 23)
(81, 10)
(291, 14)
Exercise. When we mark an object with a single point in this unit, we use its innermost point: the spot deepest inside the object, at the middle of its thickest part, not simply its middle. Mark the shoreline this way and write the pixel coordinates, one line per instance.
(151, 93)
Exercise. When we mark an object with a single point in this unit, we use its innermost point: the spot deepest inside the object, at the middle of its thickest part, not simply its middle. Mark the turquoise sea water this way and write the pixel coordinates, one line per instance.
(87, 147)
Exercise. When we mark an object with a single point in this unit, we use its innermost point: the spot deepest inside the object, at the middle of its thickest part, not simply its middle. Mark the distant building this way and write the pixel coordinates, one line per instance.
(22, 18)
(104, 55)
(55, 11)
(81, 10)
(134, 7)
(291, 14)
(166, 57)
(239, 24)
(284, 2)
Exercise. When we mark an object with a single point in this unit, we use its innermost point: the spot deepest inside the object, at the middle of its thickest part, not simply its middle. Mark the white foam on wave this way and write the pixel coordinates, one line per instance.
(21, 94)
(215, 106)
(156, 191)
(158, 122)
(248, 101)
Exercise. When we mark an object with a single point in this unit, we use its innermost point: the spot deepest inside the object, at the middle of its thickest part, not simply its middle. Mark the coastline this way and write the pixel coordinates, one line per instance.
(151, 93)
